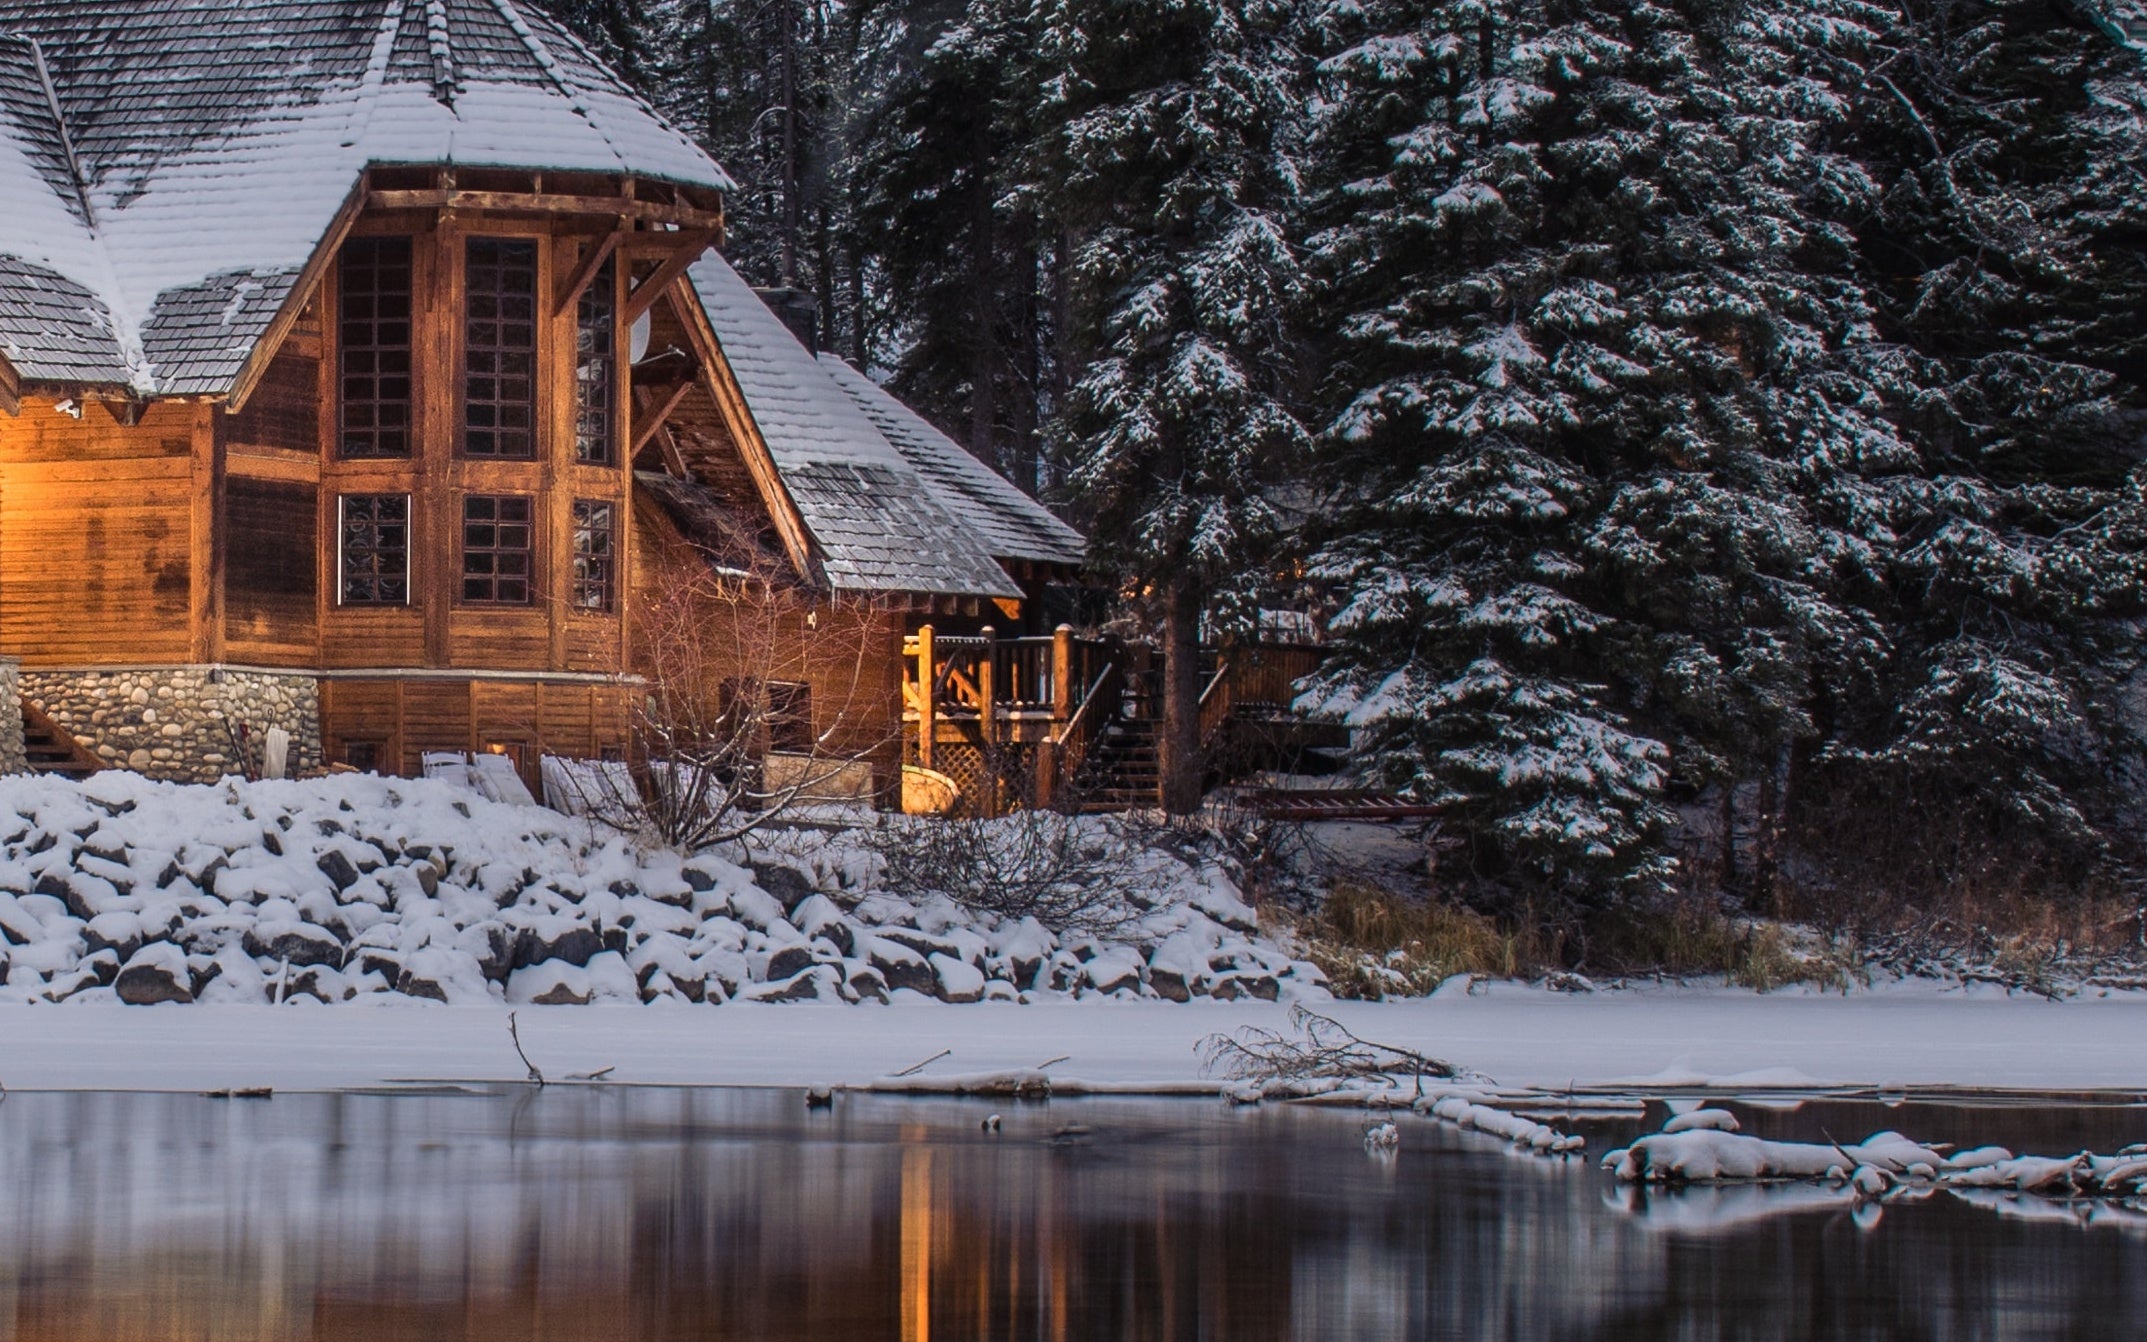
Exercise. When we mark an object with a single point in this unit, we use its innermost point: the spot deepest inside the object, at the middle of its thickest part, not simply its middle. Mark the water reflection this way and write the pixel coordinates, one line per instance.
(654, 1214)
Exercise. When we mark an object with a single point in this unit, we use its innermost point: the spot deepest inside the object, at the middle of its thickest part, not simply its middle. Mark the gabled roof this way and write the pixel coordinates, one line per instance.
(879, 525)
(1009, 523)
(167, 167)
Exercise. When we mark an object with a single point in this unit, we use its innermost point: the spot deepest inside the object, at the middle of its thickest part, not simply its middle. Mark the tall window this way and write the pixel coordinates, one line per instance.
(374, 544)
(373, 328)
(498, 548)
(595, 554)
(499, 348)
(790, 717)
(595, 364)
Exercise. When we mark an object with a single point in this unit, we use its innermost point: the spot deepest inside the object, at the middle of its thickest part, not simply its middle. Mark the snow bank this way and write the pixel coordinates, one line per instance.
(1704, 1147)
(346, 889)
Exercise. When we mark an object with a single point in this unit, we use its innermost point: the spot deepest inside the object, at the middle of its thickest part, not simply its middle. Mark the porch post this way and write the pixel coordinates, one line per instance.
(927, 698)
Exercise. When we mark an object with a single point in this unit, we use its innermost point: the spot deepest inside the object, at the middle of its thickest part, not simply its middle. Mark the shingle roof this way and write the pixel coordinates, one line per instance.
(217, 140)
(1010, 524)
(880, 526)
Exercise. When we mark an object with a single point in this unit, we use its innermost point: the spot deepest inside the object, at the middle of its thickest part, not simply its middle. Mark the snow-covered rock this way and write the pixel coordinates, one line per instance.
(351, 888)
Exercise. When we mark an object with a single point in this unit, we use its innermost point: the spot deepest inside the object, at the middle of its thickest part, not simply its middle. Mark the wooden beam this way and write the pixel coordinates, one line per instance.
(585, 274)
(548, 203)
(309, 281)
(723, 389)
(647, 426)
(10, 388)
(674, 460)
(645, 294)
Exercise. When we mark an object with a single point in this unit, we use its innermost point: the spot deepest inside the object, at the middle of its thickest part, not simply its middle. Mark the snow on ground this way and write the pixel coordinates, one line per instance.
(353, 932)
(1519, 1037)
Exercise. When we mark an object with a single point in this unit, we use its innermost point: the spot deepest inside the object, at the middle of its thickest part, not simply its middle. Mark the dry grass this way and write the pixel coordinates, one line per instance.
(1373, 943)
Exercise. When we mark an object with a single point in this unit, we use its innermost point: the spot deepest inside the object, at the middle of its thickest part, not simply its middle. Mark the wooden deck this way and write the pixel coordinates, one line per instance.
(1066, 722)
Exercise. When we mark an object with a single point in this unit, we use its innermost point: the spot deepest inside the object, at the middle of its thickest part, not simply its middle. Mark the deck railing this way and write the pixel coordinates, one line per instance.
(1057, 694)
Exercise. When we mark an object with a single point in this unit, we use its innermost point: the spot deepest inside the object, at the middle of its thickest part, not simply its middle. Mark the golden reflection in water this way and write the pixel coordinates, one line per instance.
(916, 1236)
(627, 1215)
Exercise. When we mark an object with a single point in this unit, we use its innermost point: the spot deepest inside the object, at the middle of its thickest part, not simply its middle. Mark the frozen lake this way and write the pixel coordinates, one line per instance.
(655, 1213)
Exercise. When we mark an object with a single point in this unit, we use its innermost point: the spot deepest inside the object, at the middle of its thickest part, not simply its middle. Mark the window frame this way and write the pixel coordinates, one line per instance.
(344, 347)
(786, 706)
(464, 346)
(342, 539)
(608, 558)
(605, 286)
(530, 524)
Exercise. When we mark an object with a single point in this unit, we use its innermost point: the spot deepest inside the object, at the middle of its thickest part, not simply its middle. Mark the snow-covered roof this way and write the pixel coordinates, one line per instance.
(880, 524)
(1010, 524)
(167, 167)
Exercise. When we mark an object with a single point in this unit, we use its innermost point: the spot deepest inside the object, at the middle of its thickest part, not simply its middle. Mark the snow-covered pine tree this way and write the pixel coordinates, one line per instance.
(963, 263)
(2000, 753)
(1602, 422)
(1163, 139)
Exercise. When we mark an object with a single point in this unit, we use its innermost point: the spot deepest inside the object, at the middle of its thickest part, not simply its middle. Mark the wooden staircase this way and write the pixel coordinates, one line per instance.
(1124, 770)
(51, 750)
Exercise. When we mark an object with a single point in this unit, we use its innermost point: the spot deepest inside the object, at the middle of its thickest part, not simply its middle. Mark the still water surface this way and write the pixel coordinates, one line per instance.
(646, 1214)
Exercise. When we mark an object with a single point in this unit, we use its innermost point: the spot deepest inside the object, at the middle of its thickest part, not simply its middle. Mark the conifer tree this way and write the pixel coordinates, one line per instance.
(1162, 154)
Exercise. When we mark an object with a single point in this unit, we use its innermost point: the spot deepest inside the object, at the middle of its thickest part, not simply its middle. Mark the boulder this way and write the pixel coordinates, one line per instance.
(337, 868)
(957, 980)
(865, 982)
(1169, 984)
(299, 943)
(1113, 971)
(898, 965)
(788, 962)
(118, 931)
(568, 942)
(155, 973)
(787, 884)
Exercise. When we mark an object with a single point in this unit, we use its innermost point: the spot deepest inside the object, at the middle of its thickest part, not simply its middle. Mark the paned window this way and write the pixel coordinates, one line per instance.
(374, 545)
(790, 717)
(595, 554)
(499, 348)
(498, 547)
(595, 367)
(373, 329)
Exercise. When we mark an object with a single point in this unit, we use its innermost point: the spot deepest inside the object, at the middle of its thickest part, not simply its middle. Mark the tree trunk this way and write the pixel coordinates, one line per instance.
(1178, 743)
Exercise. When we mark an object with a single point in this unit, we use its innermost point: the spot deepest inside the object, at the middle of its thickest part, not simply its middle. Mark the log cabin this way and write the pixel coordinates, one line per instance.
(360, 363)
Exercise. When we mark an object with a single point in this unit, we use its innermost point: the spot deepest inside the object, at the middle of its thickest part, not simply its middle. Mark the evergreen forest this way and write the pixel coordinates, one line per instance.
(1710, 432)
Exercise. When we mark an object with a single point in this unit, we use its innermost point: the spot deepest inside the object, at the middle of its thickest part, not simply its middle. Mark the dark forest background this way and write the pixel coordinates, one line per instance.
(1710, 431)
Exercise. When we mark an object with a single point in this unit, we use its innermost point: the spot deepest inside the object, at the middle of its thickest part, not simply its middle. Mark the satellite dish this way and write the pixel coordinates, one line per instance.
(637, 338)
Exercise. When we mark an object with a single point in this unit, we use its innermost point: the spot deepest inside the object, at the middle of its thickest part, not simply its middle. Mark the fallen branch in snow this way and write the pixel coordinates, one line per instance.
(514, 1033)
(1323, 1050)
(912, 1071)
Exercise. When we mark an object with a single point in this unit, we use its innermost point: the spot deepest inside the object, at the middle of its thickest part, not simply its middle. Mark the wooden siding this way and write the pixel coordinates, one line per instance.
(98, 555)
(405, 717)
(271, 573)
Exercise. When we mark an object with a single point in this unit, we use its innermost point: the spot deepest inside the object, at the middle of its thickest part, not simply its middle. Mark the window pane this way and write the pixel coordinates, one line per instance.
(594, 554)
(499, 389)
(595, 366)
(375, 549)
(498, 548)
(374, 341)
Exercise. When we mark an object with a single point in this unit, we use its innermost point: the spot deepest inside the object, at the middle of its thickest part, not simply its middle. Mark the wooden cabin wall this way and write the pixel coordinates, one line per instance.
(396, 721)
(104, 557)
(848, 653)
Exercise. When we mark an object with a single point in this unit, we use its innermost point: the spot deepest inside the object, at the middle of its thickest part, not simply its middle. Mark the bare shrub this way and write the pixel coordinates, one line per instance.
(1320, 1049)
(1070, 874)
(762, 695)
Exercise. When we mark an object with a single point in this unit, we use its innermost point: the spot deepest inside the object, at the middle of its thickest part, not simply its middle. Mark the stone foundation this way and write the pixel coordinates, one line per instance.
(178, 723)
(12, 758)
